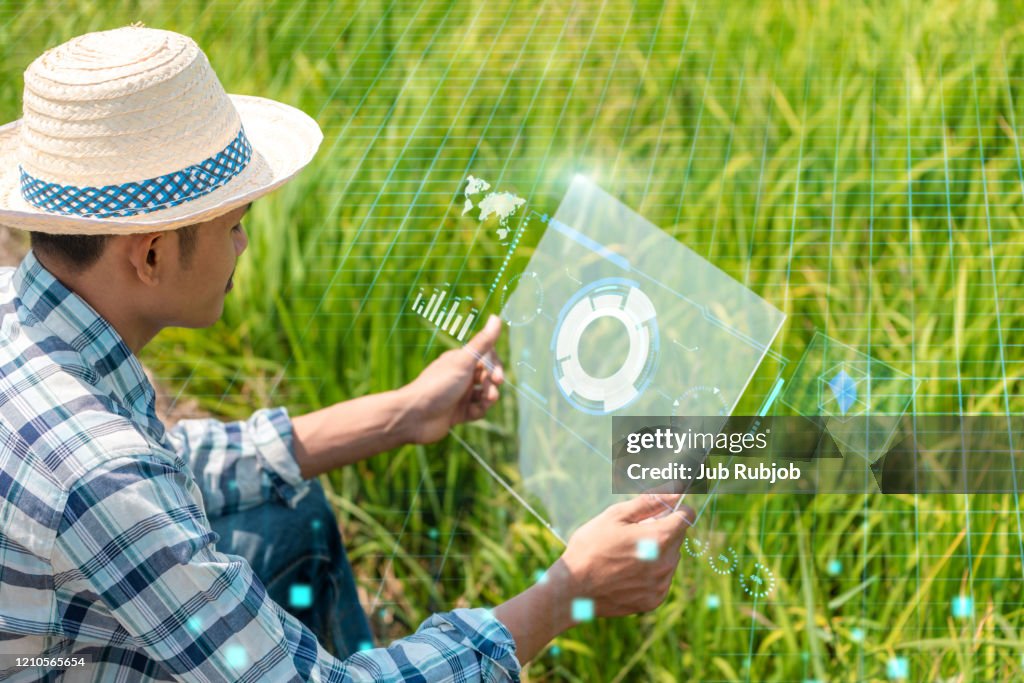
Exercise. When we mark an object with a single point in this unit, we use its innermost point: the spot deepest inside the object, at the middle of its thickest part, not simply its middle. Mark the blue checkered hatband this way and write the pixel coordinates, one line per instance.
(145, 196)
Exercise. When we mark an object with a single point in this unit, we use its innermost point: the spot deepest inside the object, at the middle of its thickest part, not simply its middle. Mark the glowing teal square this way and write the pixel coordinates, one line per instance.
(582, 609)
(237, 656)
(898, 667)
(365, 645)
(300, 595)
(963, 607)
(713, 601)
(834, 567)
(647, 549)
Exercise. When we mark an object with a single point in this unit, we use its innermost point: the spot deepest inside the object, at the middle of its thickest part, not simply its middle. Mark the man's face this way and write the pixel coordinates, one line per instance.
(198, 285)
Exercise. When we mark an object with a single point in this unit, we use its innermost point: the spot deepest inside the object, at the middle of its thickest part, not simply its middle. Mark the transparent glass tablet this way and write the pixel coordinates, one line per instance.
(612, 316)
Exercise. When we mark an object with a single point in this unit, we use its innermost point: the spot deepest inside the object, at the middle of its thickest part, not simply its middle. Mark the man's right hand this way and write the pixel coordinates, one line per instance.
(611, 558)
(609, 561)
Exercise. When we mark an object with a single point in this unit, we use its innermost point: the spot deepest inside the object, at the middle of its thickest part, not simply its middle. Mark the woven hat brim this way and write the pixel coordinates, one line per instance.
(283, 138)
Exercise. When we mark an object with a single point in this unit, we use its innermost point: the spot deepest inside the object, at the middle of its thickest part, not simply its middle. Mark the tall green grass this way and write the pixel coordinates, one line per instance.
(856, 163)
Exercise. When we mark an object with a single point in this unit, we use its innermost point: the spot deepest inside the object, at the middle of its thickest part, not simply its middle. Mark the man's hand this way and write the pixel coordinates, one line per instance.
(461, 385)
(609, 561)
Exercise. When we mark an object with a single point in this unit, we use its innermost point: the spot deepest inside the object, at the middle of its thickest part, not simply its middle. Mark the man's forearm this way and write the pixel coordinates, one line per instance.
(539, 614)
(350, 431)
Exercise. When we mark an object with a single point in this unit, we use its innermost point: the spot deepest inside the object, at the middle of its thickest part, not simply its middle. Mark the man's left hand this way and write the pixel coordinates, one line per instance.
(461, 385)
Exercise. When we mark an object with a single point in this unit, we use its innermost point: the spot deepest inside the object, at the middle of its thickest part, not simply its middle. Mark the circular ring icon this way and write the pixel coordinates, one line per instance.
(695, 547)
(700, 401)
(621, 300)
(760, 583)
(724, 563)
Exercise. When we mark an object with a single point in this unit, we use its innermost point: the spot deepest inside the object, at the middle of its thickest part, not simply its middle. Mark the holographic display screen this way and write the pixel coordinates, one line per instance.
(614, 316)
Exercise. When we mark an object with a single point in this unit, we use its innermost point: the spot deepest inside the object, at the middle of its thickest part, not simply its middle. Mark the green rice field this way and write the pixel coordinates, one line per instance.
(856, 163)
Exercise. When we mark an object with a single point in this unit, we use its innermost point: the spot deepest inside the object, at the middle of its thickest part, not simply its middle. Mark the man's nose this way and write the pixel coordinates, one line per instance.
(241, 240)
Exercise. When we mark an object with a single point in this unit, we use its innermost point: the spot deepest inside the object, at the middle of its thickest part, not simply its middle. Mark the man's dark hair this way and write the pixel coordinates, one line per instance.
(82, 251)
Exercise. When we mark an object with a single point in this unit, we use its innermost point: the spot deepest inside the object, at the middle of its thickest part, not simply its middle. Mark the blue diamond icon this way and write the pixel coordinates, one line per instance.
(844, 389)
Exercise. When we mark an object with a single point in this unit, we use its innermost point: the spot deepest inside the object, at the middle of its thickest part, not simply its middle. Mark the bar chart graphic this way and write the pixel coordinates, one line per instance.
(445, 311)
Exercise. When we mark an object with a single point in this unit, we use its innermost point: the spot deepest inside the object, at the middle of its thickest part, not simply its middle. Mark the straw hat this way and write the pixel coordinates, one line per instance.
(129, 131)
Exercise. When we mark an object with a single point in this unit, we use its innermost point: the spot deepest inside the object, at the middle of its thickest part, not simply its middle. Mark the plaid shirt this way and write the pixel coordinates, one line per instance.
(105, 547)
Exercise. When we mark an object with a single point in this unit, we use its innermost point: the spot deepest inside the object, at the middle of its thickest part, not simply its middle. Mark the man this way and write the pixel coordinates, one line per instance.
(129, 552)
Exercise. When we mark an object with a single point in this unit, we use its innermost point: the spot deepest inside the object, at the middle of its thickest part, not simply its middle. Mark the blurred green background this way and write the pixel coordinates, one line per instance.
(855, 162)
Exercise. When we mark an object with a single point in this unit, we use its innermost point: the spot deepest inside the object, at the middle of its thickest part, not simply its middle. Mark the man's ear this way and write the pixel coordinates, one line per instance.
(149, 256)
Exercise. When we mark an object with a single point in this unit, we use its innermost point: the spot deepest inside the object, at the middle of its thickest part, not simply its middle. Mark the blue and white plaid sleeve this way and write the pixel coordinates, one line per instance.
(241, 464)
(135, 546)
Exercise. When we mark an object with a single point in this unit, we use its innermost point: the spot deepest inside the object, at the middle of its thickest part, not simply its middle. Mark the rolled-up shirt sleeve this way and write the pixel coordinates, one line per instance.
(134, 543)
(461, 645)
(241, 464)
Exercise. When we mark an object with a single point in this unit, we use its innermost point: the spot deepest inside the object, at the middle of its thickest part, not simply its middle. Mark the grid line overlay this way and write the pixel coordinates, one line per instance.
(866, 180)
